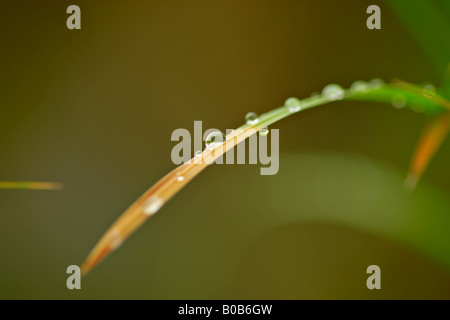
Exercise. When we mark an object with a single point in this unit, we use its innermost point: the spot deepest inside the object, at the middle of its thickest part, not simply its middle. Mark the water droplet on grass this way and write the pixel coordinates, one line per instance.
(152, 205)
(251, 118)
(429, 90)
(116, 240)
(264, 131)
(293, 105)
(214, 139)
(333, 92)
(399, 101)
(376, 83)
(359, 86)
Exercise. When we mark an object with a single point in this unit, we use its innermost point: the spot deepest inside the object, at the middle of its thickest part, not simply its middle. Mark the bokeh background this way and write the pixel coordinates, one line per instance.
(95, 108)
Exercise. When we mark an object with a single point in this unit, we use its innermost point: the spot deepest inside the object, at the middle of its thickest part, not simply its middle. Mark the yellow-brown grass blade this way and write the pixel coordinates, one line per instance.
(31, 185)
(431, 138)
(155, 197)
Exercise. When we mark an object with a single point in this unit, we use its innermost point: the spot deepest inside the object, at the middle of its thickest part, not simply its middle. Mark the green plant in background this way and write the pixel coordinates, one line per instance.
(428, 22)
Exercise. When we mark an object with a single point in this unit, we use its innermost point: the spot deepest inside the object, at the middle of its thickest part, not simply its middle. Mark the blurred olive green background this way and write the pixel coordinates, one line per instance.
(95, 108)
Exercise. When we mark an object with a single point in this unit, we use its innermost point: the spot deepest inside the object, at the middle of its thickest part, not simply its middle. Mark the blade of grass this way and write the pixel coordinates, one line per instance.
(153, 199)
(431, 139)
(30, 185)
(424, 93)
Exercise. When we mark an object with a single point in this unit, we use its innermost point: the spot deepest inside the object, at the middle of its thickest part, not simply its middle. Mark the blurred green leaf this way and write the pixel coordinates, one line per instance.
(358, 192)
(429, 23)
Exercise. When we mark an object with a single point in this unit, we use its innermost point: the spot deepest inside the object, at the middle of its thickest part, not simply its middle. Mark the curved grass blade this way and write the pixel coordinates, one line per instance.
(154, 198)
(424, 92)
(431, 139)
(31, 185)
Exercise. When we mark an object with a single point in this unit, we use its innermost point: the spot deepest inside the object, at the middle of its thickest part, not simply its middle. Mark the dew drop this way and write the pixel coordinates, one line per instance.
(376, 83)
(152, 205)
(251, 118)
(359, 86)
(214, 139)
(429, 90)
(399, 101)
(333, 92)
(264, 131)
(115, 240)
(293, 105)
(180, 177)
(198, 153)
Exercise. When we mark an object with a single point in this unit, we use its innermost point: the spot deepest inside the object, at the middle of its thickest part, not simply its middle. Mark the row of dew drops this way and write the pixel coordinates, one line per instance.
(331, 92)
